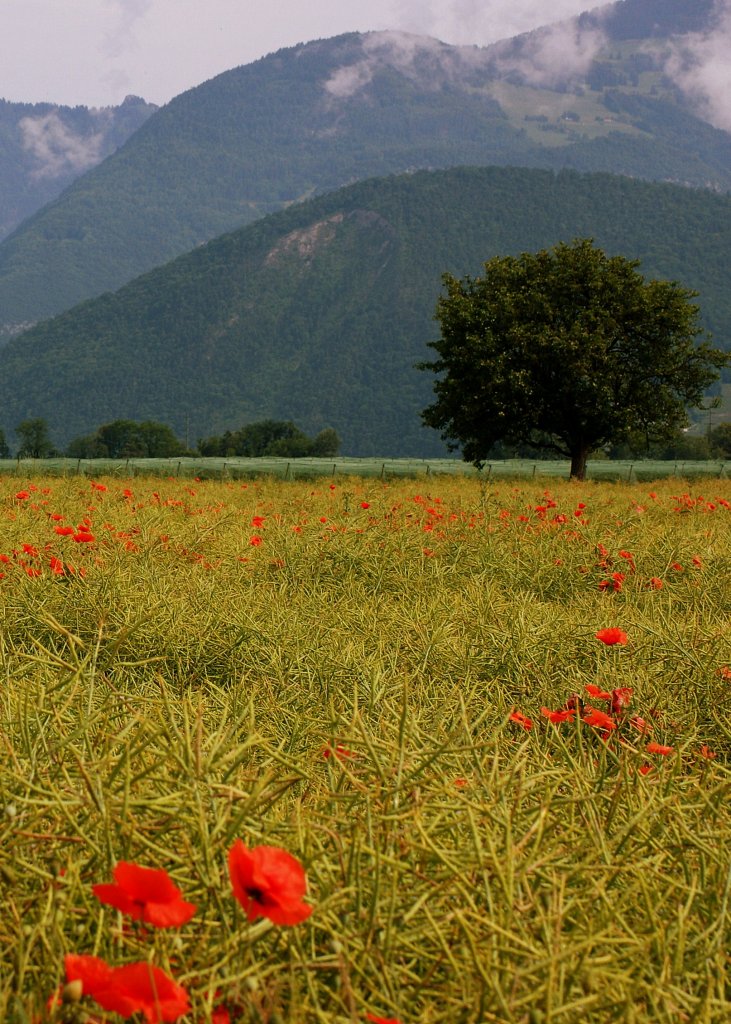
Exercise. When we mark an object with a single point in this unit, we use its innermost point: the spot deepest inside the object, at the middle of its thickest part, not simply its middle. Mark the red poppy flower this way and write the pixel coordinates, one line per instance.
(339, 752)
(84, 537)
(142, 988)
(94, 974)
(558, 716)
(599, 719)
(706, 752)
(145, 894)
(22, 495)
(382, 1020)
(255, 541)
(268, 882)
(611, 636)
(365, 504)
(134, 988)
(521, 719)
(597, 692)
(658, 748)
(654, 583)
(621, 699)
(614, 584)
(640, 724)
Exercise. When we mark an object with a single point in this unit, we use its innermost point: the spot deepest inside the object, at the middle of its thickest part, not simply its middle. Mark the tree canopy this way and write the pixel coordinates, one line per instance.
(33, 439)
(565, 350)
(127, 439)
(277, 438)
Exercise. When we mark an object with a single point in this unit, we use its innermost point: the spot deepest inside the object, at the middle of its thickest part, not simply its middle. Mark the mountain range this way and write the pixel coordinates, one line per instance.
(261, 272)
(319, 313)
(617, 89)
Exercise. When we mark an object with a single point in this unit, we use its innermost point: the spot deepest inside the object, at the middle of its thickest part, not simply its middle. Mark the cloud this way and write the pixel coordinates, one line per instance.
(419, 58)
(349, 79)
(482, 21)
(550, 56)
(56, 149)
(699, 64)
(121, 37)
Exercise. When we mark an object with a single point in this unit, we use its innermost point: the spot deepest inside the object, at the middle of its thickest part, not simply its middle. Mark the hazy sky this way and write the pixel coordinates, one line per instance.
(95, 52)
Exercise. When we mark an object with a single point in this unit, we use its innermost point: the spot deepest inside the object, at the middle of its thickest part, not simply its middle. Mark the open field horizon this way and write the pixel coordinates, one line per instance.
(489, 718)
(234, 467)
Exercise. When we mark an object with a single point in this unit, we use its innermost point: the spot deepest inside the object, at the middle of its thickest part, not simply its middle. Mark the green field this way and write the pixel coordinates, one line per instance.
(342, 466)
(361, 671)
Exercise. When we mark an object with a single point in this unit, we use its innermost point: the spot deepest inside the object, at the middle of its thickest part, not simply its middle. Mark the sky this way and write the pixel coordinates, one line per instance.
(96, 52)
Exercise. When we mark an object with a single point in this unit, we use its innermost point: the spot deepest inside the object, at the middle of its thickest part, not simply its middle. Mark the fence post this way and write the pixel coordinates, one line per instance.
(286, 473)
(629, 474)
(535, 467)
(383, 470)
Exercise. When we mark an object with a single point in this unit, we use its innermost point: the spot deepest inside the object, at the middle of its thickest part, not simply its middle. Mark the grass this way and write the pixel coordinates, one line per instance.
(235, 468)
(185, 690)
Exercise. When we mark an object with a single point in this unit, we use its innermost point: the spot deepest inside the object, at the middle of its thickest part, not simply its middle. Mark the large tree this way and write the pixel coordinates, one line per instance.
(565, 350)
(33, 439)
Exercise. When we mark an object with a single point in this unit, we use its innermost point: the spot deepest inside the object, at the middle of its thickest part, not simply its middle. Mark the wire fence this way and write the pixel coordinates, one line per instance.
(296, 469)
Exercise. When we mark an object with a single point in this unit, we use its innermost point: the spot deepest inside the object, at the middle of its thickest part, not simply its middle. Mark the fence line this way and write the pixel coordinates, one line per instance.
(292, 469)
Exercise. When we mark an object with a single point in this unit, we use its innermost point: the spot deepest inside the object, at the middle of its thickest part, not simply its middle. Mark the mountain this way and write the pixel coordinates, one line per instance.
(318, 313)
(618, 89)
(44, 147)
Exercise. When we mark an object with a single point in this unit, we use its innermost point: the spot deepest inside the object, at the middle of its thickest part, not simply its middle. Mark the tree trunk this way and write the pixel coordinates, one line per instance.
(578, 463)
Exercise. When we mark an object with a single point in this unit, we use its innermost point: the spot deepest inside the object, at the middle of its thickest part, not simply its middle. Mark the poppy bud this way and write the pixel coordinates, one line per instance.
(72, 991)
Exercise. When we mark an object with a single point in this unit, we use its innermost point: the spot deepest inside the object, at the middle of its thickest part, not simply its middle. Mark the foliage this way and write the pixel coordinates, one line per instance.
(281, 127)
(720, 440)
(566, 350)
(253, 327)
(33, 439)
(275, 438)
(379, 687)
(127, 439)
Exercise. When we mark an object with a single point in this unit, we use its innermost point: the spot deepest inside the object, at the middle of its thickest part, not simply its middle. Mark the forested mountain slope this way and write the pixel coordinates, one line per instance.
(318, 313)
(602, 92)
(44, 147)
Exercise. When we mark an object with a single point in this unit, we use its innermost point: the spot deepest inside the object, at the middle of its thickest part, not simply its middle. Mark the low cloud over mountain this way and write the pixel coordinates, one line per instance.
(699, 64)
(56, 148)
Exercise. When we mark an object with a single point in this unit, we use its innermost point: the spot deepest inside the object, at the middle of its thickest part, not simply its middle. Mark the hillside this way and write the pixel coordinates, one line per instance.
(319, 313)
(44, 147)
(602, 92)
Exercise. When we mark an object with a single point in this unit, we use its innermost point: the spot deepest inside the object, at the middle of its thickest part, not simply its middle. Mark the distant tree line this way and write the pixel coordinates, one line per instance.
(128, 439)
(272, 438)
